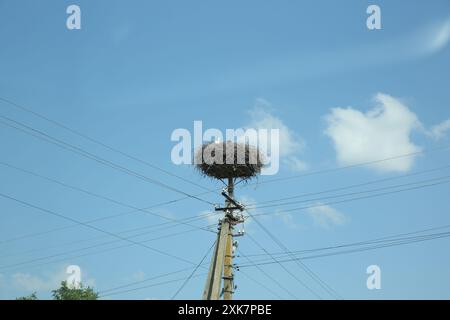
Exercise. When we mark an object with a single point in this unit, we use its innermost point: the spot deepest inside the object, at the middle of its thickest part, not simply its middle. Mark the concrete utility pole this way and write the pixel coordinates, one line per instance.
(228, 277)
(222, 259)
(240, 162)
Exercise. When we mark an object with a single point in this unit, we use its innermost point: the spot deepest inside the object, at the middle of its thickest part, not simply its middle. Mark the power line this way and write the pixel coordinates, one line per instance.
(258, 264)
(352, 199)
(396, 242)
(150, 286)
(351, 186)
(268, 276)
(193, 272)
(244, 266)
(263, 182)
(350, 193)
(98, 142)
(95, 195)
(260, 284)
(180, 199)
(361, 164)
(345, 200)
(253, 215)
(30, 235)
(105, 292)
(255, 264)
(81, 255)
(27, 262)
(147, 227)
(193, 218)
(283, 267)
(53, 213)
(94, 252)
(302, 266)
(164, 203)
(210, 203)
(75, 149)
(144, 280)
(360, 243)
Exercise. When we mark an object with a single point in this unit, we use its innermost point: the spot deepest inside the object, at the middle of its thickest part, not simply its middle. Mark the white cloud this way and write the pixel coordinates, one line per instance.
(438, 131)
(382, 132)
(261, 118)
(296, 164)
(434, 37)
(326, 216)
(290, 143)
(419, 42)
(210, 217)
(287, 219)
(27, 282)
(167, 213)
(31, 283)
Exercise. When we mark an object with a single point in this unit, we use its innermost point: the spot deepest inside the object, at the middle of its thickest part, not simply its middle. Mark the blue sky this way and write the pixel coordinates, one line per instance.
(340, 94)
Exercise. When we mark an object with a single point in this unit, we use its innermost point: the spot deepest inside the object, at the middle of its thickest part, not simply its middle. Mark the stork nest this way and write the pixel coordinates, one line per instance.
(221, 160)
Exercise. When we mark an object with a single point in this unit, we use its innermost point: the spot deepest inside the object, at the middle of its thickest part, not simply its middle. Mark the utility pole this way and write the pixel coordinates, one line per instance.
(228, 277)
(222, 259)
(242, 162)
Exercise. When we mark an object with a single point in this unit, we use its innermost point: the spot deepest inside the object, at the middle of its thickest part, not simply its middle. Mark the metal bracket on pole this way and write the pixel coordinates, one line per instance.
(228, 208)
(238, 206)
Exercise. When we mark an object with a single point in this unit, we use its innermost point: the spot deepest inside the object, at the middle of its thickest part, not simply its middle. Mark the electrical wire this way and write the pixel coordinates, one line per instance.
(385, 244)
(351, 199)
(253, 264)
(350, 193)
(261, 284)
(360, 164)
(193, 271)
(321, 204)
(56, 214)
(360, 243)
(98, 142)
(95, 195)
(27, 262)
(300, 264)
(149, 286)
(269, 277)
(352, 186)
(302, 283)
(75, 149)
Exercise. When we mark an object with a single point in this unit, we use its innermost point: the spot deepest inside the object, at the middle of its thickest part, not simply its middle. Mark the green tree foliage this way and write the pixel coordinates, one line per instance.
(32, 296)
(67, 292)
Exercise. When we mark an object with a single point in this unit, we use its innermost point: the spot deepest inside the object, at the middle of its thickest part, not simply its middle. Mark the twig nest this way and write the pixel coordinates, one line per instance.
(221, 160)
